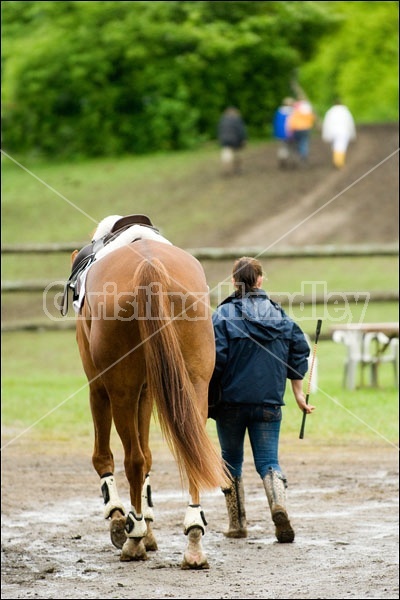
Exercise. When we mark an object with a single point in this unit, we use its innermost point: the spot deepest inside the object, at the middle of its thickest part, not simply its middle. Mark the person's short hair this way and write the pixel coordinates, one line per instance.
(246, 271)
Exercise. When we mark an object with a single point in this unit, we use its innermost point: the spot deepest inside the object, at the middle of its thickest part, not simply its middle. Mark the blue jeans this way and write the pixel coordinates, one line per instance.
(263, 424)
(302, 140)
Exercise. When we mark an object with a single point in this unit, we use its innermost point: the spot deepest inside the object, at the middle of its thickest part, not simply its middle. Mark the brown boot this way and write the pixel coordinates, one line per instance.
(275, 485)
(234, 498)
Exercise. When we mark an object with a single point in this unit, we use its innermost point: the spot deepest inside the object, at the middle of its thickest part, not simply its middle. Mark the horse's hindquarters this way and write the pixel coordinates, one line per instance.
(149, 338)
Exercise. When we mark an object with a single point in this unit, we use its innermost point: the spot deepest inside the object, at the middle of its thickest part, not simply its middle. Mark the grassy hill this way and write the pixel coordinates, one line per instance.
(195, 206)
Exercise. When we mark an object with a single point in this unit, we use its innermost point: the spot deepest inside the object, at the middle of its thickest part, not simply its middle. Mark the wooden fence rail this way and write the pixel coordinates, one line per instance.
(219, 254)
(210, 254)
(37, 285)
(232, 253)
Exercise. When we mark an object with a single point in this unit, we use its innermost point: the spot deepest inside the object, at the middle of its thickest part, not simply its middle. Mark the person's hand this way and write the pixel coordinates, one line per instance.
(303, 406)
(297, 387)
(308, 408)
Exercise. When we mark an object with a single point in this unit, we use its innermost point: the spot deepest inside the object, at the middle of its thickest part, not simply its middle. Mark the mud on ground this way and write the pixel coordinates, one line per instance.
(343, 504)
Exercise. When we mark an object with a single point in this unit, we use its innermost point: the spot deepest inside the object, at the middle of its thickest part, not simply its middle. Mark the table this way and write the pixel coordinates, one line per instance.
(368, 345)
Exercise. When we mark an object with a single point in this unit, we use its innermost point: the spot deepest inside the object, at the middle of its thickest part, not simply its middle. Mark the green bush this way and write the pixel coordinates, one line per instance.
(105, 78)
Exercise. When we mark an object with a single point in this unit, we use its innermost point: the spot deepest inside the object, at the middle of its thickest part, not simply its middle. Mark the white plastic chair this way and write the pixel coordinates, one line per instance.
(369, 347)
(366, 350)
(378, 349)
(352, 340)
(393, 354)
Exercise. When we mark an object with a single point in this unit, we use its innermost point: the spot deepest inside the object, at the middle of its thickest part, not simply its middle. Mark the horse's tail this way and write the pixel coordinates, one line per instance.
(169, 383)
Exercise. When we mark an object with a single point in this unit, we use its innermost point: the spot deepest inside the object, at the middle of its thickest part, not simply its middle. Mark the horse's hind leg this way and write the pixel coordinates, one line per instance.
(133, 549)
(147, 509)
(127, 416)
(194, 527)
(145, 412)
(102, 458)
(195, 522)
(117, 520)
(103, 462)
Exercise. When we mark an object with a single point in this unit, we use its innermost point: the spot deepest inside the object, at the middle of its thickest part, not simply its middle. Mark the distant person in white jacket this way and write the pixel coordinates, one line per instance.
(338, 129)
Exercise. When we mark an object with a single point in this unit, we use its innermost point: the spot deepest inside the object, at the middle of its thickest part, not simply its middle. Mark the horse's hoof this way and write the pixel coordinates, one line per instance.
(150, 543)
(194, 557)
(117, 532)
(149, 539)
(194, 565)
(128, 558)
(133, 549)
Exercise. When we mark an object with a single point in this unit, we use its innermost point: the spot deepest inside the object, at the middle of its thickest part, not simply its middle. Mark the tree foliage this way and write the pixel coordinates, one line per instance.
(359, 63)
(105, 78)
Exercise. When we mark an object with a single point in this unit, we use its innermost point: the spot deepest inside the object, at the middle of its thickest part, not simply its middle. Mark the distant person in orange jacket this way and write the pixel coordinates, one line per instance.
(300, 124)
(338, 129)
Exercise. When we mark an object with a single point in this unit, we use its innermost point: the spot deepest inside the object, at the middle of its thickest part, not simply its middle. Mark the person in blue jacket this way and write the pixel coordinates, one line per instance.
(258, 347)
(286, 150)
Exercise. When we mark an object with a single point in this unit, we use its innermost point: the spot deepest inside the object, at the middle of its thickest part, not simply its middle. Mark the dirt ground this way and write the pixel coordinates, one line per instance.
(343, 504)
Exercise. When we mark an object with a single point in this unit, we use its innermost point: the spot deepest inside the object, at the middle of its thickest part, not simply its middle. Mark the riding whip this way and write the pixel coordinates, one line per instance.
(317, 332)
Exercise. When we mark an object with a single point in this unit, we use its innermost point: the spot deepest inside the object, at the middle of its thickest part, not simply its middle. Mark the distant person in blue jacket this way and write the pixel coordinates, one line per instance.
(258, 347)
(283, 134)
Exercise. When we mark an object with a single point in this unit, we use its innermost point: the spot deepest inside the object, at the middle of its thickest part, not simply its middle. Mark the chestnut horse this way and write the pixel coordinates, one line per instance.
(146, 342)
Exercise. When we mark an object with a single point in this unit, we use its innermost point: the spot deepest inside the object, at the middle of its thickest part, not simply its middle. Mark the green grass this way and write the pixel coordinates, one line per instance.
(45, 394)
(44, 388)
(58, 202)
(326, 274)
(362, 414)
(193, 206)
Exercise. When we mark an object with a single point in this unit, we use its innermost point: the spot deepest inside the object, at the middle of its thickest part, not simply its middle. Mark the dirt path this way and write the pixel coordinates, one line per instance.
(343, 502)
(321, 205)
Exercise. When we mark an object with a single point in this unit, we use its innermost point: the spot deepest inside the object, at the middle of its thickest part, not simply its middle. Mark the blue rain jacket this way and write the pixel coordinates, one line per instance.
(258, 347)
(279, 123)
